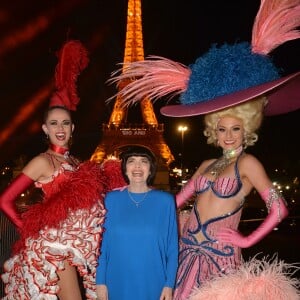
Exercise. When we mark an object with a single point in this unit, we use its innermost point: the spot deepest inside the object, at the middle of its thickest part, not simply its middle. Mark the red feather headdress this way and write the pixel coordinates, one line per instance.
(72, 59)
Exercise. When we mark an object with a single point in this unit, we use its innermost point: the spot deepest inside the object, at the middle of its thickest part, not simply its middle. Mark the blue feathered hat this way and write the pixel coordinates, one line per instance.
(226, 75)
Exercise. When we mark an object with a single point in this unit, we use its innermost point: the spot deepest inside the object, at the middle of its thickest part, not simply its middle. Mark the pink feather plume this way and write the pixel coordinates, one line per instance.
(276, 23)
(256, 279)
(154, 78)
(73, 58)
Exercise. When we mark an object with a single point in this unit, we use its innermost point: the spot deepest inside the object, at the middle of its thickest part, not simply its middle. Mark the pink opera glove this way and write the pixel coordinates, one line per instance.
(7, 199)
(186, 192)
(277, 211)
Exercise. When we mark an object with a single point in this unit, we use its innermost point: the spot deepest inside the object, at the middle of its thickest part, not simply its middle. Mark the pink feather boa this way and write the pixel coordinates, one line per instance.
(253, 280)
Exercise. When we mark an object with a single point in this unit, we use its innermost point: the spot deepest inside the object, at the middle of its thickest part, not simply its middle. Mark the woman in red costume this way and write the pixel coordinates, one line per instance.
(61, 235)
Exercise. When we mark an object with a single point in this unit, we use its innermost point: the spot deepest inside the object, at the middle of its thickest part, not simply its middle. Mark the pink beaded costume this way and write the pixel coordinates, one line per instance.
(199, 261)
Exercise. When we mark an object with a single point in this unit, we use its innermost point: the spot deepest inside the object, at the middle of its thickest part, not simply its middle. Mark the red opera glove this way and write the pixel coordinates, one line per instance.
(186, 192)
(277, 212)
(7, 199)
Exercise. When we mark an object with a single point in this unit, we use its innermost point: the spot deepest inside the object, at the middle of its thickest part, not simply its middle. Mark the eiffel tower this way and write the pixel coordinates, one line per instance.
(118, 133)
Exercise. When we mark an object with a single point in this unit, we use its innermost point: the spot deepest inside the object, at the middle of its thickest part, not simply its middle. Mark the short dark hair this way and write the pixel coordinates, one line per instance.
(139, 151)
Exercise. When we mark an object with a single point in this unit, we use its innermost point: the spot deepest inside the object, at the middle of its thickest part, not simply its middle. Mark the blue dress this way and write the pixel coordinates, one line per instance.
(139, 252)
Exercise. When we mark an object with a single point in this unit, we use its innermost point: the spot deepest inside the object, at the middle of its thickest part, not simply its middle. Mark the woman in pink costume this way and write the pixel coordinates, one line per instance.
(233, 86)
(210, 243)
(59, 236)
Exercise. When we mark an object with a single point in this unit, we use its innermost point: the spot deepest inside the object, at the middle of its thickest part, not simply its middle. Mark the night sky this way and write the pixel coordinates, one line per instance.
(32, 31)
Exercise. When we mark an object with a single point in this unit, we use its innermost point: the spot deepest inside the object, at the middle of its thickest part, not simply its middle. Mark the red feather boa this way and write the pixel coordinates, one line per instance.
(81, 190)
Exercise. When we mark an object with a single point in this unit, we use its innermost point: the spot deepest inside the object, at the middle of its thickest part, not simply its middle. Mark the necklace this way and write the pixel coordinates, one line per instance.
(220, 164)
(137, 203)
(67, 158)
(232, 153)
(61, 150)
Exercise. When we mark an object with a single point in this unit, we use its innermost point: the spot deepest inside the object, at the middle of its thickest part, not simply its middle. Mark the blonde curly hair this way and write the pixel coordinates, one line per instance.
(250, 113)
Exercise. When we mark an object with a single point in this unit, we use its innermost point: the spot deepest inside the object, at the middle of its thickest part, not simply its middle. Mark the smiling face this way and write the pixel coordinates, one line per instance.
(137, 169)
(59, 127)
(230, 132)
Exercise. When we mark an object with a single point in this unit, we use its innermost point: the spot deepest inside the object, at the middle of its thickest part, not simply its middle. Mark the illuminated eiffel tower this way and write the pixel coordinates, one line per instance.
(118, 133)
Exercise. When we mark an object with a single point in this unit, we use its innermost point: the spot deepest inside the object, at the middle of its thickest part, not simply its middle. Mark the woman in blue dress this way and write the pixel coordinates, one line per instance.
(139, 252)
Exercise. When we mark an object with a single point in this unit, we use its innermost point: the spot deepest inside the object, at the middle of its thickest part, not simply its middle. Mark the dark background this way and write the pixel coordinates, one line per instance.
(32, 31)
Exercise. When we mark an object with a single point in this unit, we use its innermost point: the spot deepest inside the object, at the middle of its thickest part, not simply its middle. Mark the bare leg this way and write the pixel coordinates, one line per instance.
(68, 283)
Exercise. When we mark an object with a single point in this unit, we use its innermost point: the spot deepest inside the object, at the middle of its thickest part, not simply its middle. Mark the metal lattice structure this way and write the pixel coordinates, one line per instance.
(118, 132)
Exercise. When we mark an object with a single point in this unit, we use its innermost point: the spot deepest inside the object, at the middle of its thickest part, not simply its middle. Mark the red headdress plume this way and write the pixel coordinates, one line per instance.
(73, 58)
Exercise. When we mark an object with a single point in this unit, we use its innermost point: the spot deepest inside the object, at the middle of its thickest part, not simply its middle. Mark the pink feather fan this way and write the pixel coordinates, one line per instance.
(276, 22)
(73, 58)
(257, 279)
(154, 78)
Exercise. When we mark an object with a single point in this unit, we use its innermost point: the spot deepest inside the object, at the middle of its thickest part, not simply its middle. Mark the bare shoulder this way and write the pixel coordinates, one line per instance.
(203, 166)
(252, 169)
(207, 163)
(249, 161)
(37, 167)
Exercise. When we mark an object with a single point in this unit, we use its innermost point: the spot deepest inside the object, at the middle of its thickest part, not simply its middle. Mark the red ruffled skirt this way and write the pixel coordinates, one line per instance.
(65, 227)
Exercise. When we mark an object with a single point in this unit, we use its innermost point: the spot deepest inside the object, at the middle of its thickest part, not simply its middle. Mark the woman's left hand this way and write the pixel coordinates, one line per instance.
(234, 237)
(166, 294)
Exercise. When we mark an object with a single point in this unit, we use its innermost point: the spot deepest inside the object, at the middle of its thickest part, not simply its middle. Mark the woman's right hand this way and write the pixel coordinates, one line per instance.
(9, 196)
(102, 293)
